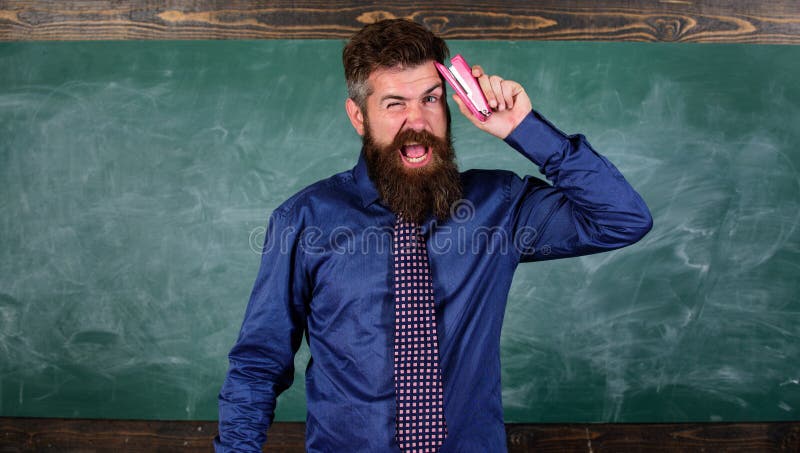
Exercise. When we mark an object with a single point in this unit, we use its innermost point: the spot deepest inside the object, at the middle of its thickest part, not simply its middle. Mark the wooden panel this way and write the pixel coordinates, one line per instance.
(81, 435)
(716, 437)
(617, 20)
(64, 435)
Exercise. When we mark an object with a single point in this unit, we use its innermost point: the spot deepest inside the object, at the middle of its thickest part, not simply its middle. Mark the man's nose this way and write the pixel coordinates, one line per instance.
(415, 119)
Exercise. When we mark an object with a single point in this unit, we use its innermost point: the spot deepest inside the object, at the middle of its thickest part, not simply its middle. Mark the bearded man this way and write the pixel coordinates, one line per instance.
(401, 317)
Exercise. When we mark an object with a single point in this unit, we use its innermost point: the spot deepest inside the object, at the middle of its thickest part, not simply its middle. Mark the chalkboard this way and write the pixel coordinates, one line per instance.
(137, 178)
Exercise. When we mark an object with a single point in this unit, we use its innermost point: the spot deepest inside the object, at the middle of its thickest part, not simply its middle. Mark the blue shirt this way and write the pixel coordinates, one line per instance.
(326, 273)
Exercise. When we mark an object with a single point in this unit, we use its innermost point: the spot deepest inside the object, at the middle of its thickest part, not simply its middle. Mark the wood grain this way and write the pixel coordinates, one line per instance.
(734, 21)
(80, 435)
(655, 438)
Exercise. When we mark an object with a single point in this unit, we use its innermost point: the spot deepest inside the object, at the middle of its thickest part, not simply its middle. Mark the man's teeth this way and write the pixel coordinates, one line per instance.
(414, 153)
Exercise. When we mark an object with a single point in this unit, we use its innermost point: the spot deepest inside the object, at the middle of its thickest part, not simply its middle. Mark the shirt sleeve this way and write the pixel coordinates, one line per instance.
(262, 360)
(589, 208)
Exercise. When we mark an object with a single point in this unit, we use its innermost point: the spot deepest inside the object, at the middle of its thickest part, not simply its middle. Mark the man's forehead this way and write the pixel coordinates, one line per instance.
(420, 77)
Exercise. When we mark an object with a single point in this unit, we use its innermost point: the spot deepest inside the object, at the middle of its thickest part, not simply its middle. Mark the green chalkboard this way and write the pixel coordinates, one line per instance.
(137, 178)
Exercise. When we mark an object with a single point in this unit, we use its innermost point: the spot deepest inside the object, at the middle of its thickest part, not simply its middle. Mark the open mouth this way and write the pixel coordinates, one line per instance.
(415, 155)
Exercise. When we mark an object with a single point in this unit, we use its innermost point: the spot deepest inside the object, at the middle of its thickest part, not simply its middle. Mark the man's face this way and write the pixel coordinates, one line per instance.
(407, 146)
(402, 100)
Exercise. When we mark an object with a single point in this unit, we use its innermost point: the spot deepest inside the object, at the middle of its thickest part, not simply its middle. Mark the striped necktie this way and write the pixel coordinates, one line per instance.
(420, 423)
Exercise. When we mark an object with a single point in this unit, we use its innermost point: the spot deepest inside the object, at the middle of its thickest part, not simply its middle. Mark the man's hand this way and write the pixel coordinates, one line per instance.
(508, 100)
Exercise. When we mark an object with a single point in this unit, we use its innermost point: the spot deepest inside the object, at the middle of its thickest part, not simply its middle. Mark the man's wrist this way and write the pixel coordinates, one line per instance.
(536, 138)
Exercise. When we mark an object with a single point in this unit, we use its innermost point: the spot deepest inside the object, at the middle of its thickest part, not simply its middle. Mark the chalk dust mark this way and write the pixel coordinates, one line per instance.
(589, 441)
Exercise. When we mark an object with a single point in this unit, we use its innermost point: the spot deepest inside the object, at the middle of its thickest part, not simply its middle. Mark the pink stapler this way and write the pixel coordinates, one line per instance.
(459, 76)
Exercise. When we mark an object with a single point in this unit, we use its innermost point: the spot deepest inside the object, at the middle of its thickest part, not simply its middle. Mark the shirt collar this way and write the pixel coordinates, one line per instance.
(369, 194)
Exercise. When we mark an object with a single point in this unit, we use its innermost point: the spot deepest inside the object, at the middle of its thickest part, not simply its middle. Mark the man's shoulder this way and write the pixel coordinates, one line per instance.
(329, 191)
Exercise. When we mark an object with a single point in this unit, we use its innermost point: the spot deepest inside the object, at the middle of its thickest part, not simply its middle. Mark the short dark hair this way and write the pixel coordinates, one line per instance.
(386, 44)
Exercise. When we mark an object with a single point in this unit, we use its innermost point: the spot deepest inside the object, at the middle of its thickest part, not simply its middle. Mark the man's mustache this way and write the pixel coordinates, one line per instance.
(422, 137)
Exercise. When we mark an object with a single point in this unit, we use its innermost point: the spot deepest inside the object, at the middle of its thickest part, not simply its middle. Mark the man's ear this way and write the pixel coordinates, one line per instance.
(356, 116)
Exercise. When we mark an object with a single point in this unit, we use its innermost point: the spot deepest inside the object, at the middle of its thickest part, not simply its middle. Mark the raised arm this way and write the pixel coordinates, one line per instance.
(589, 208)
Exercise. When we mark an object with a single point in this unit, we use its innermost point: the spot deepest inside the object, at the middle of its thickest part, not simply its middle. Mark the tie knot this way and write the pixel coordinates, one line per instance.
(403, 220)
(402, 224)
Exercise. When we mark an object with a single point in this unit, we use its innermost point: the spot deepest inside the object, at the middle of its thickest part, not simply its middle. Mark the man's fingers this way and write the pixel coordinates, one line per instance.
(499, 93)
(497, 90)
(510, 91)
(486, 85)
(506, 97)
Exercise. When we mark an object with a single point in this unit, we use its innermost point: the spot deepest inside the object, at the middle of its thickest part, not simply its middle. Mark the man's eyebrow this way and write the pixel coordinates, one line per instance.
(433, 88)
(393, 96)
(403, 98)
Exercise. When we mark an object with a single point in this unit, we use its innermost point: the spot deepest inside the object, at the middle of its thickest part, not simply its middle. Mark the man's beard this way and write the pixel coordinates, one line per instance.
(414, 193)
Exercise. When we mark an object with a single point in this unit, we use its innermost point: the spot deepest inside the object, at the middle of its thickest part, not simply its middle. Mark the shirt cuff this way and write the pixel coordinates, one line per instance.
(536, 138)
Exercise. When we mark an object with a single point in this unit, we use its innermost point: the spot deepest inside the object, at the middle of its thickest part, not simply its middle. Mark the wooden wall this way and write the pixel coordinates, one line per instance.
(733, 21)
(61, 435)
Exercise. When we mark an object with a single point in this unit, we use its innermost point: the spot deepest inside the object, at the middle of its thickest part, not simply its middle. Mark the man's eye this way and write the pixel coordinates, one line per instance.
(431, 99)
(393, 105)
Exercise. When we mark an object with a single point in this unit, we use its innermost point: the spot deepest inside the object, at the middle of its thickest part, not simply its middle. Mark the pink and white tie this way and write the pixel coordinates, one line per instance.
(421, 427)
